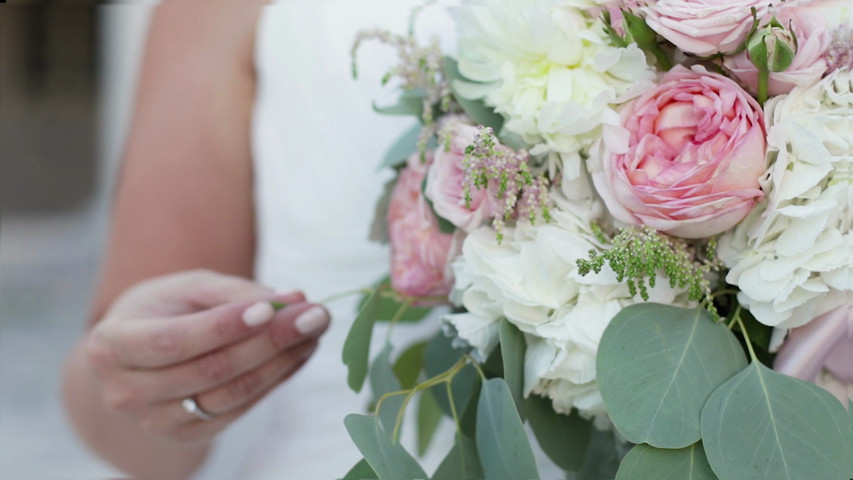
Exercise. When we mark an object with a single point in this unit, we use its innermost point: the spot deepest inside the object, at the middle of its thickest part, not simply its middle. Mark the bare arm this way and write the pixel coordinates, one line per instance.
(184, 202)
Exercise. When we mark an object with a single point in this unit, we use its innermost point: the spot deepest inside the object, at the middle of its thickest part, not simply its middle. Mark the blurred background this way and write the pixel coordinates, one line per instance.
(67, 73)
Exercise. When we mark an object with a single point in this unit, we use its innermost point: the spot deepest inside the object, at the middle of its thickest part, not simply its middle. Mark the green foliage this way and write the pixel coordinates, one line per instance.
(657, 365)
(644, 462)
(638, 254)
(461, 463)
(476, 109)
(603, 454)
(502, 443)
(409, 365)
(564, 438)
(361, 471)
(513, 347)
(357, 344)
(440, 356)
(390, 303)
(765, 425)
(402, 148)
(390, 461)
(382, 381)
(410, 103)
(428, 417)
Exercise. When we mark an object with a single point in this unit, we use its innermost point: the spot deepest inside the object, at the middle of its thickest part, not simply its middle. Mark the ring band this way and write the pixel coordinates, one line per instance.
(190, 406)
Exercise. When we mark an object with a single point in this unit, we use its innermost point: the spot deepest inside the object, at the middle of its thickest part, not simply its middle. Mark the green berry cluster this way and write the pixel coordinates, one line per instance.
(638, 254)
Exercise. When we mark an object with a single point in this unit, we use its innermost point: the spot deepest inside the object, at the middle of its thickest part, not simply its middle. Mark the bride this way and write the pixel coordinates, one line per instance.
(249, 173)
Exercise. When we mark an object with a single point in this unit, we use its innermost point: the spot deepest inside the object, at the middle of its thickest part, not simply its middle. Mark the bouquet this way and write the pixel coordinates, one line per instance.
(635, 221)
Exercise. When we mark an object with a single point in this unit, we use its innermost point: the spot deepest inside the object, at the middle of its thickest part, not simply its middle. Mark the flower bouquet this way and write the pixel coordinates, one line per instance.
(639, 215)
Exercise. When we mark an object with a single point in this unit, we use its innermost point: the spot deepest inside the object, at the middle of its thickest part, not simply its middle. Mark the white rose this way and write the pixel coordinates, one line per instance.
(792, 257)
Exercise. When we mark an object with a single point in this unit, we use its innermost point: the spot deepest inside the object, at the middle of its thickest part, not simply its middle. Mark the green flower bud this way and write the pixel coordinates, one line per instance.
(772, 47)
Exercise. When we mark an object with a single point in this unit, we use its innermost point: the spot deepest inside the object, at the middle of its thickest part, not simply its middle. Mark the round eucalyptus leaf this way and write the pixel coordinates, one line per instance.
(656, 367)
(765, 425)
(645, 462)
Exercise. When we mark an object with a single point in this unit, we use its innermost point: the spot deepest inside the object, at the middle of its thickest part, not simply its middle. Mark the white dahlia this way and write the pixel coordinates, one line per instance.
(549, 69)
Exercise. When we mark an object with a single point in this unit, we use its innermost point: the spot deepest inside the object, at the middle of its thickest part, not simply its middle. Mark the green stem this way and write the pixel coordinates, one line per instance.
(735, 317)
(336, 296)
(746, 337)
(763, 79)
(663, 60)
(453, 412)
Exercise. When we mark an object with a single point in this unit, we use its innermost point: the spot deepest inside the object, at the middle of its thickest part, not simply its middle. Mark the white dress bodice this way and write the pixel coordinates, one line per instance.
(316, 146)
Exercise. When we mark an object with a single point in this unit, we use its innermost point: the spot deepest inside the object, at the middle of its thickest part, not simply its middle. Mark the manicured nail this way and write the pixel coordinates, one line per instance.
(311, 321)
(258, 313)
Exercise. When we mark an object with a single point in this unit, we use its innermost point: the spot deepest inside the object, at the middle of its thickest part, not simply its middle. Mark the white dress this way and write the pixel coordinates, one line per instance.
(316, 146)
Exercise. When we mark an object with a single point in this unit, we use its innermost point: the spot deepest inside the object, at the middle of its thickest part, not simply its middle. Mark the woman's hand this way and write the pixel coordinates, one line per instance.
(200, 335)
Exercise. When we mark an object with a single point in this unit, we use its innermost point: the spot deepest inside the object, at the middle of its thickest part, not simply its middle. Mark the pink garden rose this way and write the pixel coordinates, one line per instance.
(694, 153)
(446, 179)
(704, 27)
(824, 345)
(813, 38)
(419, 251)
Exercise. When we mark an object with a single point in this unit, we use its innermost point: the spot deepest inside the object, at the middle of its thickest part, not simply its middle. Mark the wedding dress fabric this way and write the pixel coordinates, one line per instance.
(316, 146)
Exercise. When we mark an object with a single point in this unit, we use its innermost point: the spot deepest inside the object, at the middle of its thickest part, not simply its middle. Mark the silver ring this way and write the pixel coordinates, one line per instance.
(190, 406)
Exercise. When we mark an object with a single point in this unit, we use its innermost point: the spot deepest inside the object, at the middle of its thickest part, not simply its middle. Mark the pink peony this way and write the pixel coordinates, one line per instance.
(445, 183)
(704, 27)
(823, 345)
(692, 157)
(809, 25)
(419, 251)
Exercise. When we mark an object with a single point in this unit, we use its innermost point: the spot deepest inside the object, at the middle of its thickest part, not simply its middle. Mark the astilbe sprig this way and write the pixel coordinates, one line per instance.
(505, 174)
(638, 254)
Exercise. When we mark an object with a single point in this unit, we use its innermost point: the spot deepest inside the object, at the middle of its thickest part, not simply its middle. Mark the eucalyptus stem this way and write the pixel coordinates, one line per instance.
(337, 296)
(444, 377)
(735, 317)
(453, 412)
(746, 337)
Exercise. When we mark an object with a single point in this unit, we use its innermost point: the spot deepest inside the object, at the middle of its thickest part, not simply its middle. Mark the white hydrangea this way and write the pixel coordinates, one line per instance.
(532, 280)
(549, 70)
(792, 257)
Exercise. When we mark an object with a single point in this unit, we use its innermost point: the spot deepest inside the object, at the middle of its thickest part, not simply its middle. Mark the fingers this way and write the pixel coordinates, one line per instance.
(151, 343)
(227, 402)
(220, 366)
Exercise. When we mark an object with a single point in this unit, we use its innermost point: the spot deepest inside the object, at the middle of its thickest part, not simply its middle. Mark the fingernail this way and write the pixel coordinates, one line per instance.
(311, 321)
(258, 313)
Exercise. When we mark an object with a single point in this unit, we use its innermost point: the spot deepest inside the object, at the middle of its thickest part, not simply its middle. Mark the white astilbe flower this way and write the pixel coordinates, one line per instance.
(549, 69)
(531, 279)
(792, 257)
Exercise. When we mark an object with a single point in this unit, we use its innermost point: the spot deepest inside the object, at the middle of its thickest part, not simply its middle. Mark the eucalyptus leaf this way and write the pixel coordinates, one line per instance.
(428, 417)
(476, 109)
(357, 344)
(603, 454)
(564, 438)
(461, 463)
(512, 139)
(403, 148)
(440, 356)
(645, 462)
(389, 461)
(468, 418)
(361, 471)
(411, 102)
(513, 347)
(657, 365)
(389, 306)
(502, 444)
(409, 364)
(765, 425)
(382, 381)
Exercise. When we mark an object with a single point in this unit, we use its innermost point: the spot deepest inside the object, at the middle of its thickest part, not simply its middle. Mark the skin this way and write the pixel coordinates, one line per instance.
(167, 316)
